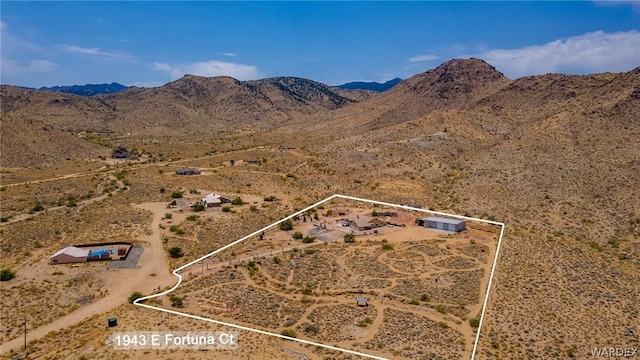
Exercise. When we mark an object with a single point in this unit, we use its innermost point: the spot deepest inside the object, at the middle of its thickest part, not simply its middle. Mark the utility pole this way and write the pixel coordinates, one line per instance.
(25, 336)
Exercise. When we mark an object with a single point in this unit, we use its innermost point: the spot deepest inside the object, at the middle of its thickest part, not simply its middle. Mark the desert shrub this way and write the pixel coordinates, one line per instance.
(475, 322)
(198, 206)
(7, 274)
(311, 329)
(349, 238)
(270, 198)
(193, 191)
(135, 296)
(176, 300)
(387, 246)
(441, 309)
(286, 225)
(297, 235)
(168, 215)
(37, 207)
(277, 260)
(162, 190)
(443, 324)
(236, 201)
(193, 217)
(308, 239)
(177, 194)
(253, 208)
(414, 302)
(175, 252)
(424, 297)
(226, 209)
(288, 333)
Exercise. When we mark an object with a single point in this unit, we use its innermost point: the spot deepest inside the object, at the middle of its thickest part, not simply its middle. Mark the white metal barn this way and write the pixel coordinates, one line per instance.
(70, 254)
(442, 223)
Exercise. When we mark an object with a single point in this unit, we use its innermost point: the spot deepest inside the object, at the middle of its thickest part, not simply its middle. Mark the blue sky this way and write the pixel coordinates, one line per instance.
(152, 43)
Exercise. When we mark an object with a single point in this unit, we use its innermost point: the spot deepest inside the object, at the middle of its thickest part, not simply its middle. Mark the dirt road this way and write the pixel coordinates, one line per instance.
(153, 271)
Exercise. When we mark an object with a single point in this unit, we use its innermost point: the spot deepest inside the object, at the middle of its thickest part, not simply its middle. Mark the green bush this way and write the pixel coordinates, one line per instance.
(253, 208)
(424, 297)
(226, 209)
(387, 246)
(168, 216)
(198, 206)
(289, 333)
(308, 239)
(177, 194)
(349, 238)
(441, 309)
(286, 225)
(175, 252)
(236, 201)
(475, 322)
(176, 300)
(270, 198)
(297, 235)
(193, 217)
(277, 260)
(7, 274)
(135, 296)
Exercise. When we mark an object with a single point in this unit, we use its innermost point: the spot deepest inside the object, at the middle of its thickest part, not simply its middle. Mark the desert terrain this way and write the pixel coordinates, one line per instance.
(555, 157)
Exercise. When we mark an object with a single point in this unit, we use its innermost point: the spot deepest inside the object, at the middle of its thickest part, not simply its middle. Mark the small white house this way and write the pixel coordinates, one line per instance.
(70, 254)
(214, 199)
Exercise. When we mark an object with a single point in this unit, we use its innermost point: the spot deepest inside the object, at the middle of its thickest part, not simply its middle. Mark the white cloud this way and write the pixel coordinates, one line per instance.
(229, 54)
(423, 58)
(11, 67)
(3, 25)
(116, 55)
(210, 68)
(589, 53)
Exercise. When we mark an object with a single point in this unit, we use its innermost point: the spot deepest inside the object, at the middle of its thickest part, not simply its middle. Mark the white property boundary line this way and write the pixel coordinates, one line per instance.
(176, 272)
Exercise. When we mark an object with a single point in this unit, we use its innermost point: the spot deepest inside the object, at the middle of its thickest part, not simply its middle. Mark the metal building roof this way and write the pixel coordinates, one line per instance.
(442, 220)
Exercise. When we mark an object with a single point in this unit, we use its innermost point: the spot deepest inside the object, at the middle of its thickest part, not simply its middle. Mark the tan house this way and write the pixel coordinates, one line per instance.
(70, 254)
(214, 199)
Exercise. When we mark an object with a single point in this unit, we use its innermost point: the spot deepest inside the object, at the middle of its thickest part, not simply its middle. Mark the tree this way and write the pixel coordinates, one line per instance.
(349, 238)
(297, 235)
(286, 225)
(135, 296)
(236, 201)
(175, 252)
(7, 274)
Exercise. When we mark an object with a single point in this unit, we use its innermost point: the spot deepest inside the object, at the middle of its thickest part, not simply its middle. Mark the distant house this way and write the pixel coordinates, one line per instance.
(251, 160)
(120, 153)
(360, 301)
(359, 222)
(214, 199)
(442, 223)
(188, 172)
(70, 254)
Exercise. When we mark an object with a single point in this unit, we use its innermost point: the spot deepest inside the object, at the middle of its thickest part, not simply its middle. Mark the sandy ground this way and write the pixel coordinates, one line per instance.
(153, 271)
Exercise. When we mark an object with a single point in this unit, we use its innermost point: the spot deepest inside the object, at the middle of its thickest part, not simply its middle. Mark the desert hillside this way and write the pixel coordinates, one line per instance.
(556, 157)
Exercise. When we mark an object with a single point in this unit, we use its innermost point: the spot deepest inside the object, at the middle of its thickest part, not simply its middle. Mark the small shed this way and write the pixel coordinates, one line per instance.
(441, 223)
(360, 301)
(70, 254)
(188, 172)
(111, 322)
